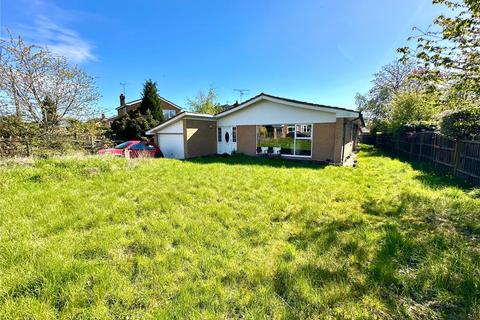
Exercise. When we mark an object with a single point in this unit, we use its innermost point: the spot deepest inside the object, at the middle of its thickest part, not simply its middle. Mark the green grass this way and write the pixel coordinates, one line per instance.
(236, 237)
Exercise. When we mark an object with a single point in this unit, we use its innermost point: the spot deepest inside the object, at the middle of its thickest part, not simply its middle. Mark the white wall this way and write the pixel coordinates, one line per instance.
(175, 127)
(268, 112)
(170, 140)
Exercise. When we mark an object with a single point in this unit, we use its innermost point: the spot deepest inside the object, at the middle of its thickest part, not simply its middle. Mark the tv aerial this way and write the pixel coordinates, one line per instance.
(123, 84)
(241, 93)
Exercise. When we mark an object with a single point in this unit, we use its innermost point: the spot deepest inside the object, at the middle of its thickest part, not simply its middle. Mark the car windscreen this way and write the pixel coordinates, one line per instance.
(122, 145)
(138, 146)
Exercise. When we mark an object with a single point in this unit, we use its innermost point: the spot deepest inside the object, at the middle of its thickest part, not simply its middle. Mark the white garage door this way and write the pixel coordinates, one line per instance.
(171, 145)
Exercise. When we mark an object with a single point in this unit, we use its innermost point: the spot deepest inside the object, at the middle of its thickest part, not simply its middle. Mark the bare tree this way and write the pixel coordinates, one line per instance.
(391, 79)
(37, 86)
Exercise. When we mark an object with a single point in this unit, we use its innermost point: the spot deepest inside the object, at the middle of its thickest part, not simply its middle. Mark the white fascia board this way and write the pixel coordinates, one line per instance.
(347, 114)
(200, 116)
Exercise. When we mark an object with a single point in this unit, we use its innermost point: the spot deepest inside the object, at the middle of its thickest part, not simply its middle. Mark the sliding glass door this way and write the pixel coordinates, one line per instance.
(285, 139)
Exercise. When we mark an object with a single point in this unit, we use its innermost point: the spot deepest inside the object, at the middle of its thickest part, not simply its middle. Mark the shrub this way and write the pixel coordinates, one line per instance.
(461, 124)
(419, 126)
(412, 108)
(133, 125)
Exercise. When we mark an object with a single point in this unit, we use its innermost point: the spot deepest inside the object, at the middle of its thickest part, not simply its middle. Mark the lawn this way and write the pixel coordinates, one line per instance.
(236, 237)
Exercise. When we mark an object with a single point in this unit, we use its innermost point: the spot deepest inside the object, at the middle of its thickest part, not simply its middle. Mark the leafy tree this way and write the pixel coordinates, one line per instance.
(392, 79)
(449, 53)
(205, 102)
(412, 108)
(151, 101)
(38, 86)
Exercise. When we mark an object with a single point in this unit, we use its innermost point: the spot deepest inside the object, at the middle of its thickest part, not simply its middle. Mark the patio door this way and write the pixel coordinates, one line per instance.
(226, 140)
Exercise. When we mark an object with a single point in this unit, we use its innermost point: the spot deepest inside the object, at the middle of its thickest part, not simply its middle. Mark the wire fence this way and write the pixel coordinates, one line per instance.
(458, 157)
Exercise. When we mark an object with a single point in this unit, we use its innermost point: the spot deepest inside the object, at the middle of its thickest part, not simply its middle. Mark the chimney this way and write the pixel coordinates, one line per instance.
(122, 100)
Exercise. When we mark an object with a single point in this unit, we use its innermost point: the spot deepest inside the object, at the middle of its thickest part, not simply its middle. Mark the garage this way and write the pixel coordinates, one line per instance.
(186, 135)
(171, 145)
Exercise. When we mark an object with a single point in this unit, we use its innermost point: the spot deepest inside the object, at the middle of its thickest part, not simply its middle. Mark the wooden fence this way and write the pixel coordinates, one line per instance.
(21, 147)
(458, 157)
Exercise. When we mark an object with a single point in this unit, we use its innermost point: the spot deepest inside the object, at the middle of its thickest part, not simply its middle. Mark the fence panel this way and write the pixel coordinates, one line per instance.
(460, 158)
(20, 147)
(468, 166)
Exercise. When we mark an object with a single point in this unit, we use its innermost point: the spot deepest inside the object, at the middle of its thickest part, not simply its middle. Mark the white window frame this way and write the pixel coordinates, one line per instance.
(169, 113)
(294, 139)
(219, 134)
(234, 134)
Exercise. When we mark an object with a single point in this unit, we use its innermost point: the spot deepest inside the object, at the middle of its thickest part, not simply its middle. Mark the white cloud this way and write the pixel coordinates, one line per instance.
(62, 40)
(49, 28)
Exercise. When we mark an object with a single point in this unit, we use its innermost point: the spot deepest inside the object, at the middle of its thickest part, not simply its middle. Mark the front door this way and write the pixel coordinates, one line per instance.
(226, 140)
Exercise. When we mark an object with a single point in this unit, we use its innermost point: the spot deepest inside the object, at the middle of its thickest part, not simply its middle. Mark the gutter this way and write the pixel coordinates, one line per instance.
(343, 141)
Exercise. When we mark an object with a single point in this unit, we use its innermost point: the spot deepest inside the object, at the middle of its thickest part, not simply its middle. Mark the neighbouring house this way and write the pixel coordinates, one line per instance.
(169, 108)
(263, 125)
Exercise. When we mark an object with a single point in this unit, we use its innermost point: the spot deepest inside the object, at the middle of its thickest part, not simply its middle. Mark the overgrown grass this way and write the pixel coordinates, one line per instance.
(236, 237)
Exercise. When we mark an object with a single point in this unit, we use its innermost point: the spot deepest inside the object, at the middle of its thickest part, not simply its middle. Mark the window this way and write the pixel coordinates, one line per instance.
(234, 134)
(306, 128)
(303, 140)
(123, 145)
(219, 134)
(277, 136)
(293, 140)
(227, 137)
(150, 147)
(167, 113)
(138, 146)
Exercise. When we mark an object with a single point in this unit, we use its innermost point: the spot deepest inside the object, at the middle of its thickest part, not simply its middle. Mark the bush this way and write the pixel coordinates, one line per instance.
(412, 108)
(20, 138)
(461, 124)
(133, 125)
(420, 126)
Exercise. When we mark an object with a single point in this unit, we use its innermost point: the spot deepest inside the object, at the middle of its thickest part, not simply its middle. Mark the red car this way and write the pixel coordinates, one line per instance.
(135, 148)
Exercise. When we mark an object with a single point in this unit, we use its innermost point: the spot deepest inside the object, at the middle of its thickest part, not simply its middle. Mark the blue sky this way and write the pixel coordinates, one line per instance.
(320, 51)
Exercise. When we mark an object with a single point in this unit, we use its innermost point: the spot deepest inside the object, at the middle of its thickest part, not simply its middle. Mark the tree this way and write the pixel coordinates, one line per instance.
(134, 125)
(412, 108)
(49, 114)
(151, 101)
(149, 114)
(205, 102)
(449, 52)
(392, 79)
(38, 86)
